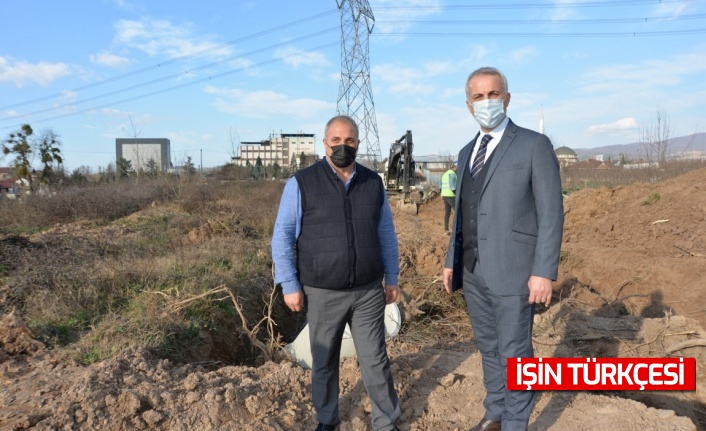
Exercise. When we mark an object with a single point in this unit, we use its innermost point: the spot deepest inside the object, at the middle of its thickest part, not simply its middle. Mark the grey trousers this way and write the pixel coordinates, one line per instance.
(502, 326)
(363, 309)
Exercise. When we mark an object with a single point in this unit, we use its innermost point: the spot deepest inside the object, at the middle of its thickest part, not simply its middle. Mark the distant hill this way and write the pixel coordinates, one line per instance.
(695, 142)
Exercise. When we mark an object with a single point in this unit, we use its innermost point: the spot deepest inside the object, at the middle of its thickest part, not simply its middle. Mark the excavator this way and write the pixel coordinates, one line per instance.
(399, 175)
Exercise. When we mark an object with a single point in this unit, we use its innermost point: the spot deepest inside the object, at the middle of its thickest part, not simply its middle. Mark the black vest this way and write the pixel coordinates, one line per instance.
(470, 198)
(339, 246)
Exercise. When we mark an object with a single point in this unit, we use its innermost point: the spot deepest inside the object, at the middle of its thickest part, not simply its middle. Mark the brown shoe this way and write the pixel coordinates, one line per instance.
(486, 425)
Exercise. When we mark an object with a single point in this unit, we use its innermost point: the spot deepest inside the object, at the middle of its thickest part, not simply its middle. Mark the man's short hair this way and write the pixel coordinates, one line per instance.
(345, 118)
(491, 71)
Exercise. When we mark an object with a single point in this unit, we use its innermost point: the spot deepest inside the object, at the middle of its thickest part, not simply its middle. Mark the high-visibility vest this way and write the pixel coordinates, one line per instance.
(448, 184)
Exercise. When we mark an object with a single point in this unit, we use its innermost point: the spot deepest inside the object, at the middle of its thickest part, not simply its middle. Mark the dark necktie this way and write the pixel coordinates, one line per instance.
(480, 156)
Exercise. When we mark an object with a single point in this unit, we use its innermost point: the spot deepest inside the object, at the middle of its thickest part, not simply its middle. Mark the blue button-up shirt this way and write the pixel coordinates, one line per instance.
(288, 227)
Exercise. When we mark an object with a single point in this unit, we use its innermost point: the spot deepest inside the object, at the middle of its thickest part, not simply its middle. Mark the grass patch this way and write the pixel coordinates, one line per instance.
(651, 199)
(113, 259)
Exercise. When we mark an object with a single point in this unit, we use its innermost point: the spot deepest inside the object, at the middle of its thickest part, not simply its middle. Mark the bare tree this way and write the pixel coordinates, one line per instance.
(135, 130)
(138, 159)
(233, 143)
(654, 137)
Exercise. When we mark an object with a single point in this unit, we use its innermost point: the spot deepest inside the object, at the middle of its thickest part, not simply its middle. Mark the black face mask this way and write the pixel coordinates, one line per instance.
(342, 156)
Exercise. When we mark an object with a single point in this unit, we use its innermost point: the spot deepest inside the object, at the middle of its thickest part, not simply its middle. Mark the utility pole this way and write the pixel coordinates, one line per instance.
(201, 162)
(355, 95)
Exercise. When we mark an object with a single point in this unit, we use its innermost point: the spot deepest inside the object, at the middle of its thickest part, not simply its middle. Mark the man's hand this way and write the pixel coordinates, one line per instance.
(446, 276)
(391, 293)
(295, 301)
(540, 289)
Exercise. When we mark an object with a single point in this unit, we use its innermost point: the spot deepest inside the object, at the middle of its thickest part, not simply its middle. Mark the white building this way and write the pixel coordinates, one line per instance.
(566, 156)
(139, 151)
(278, 149)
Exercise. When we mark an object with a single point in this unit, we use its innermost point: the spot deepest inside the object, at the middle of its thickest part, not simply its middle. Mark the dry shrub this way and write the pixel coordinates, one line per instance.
(102, 202)
(249, 204)
(95, 288)
(576, 179)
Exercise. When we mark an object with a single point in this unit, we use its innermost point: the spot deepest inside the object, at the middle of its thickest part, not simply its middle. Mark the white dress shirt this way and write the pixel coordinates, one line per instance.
(496, 133)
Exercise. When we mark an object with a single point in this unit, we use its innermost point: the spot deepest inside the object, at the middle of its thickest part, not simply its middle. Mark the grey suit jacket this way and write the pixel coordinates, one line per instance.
(520, 214)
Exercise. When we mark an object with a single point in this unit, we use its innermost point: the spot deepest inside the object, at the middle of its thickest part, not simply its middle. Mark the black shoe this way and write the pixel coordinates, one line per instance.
(486, 425)
(323, 427)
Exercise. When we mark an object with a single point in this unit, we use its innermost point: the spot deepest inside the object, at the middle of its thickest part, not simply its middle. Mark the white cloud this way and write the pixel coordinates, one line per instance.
(296, 57)
(22, 73)
(433, 68)
(522, 54)
(69, 95)
(162, 37)
(563, 10)
(419, 81)
(108, 59)
(436, 128)
(629, 124)
(390, 15)
(124, 5)
(672, 10)
(396, 79)
(646, 76)
(266, 104)
(9, 113)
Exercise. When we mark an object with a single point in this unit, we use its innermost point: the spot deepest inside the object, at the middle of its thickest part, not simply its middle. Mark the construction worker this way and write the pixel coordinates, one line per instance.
(448, 193)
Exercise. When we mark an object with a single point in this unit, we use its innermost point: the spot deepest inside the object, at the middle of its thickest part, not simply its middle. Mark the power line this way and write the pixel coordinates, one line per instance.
(164, 90)
(547, 21)
(390, 8)
(381, 8)
(534, 34)
(174, 60)
(168, 77)
(610, 3)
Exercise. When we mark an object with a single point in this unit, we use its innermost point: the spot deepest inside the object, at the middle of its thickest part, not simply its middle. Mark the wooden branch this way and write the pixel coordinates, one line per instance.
(257, 343)
(699, 342)
(177, 306)
(692, 254)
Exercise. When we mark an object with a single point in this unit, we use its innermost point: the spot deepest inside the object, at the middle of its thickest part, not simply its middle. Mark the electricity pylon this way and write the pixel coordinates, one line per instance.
(355, 95)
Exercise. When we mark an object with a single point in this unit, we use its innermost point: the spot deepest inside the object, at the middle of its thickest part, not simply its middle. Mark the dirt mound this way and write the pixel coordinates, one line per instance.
(643, 245)
(440, 387)
(627, 287)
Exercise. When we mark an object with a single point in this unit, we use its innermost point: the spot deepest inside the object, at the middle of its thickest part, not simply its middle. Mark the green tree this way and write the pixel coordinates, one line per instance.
(78, 177)
(258, 170)
(49, 152)
(293, 164)
(189, 165)
(276, 169)
(124, 167)
(18, 145)
(152, 168)
(623, 159)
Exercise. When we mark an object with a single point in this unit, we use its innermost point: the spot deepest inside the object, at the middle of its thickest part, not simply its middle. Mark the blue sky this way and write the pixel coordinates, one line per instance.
(209, 73)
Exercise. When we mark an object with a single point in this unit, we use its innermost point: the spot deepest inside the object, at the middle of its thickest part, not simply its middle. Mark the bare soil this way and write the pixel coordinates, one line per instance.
(627, 287)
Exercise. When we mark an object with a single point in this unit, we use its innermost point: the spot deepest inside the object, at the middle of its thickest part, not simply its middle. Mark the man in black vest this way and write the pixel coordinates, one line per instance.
(333, 243)
(505, 243)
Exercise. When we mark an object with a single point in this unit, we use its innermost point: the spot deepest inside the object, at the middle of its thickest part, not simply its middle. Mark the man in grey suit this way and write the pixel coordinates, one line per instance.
(506, 240)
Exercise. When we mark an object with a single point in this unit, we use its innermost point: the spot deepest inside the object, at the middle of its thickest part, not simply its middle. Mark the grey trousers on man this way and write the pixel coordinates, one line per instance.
(363, 308)
(502, 326)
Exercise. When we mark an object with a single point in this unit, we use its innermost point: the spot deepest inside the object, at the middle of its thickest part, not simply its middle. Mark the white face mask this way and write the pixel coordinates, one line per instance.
(489, 112)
